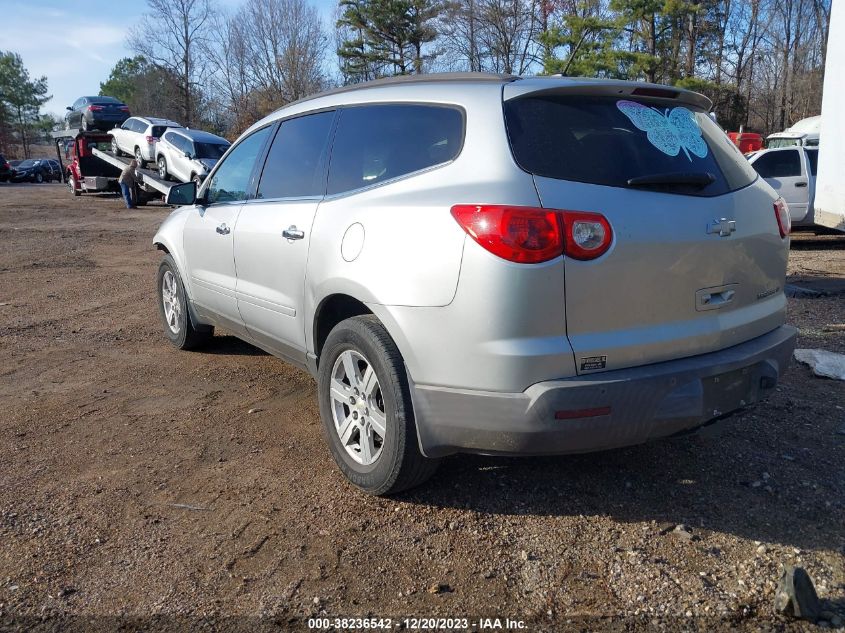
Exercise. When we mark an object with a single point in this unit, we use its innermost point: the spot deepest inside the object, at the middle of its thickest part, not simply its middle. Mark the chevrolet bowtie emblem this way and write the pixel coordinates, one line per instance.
(723, 227)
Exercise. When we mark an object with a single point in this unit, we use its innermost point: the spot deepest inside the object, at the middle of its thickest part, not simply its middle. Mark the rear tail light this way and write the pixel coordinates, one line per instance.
(588, 235)
(530, 235)
(124, 108)
(151, 139)
(782, 215)
(95, 108)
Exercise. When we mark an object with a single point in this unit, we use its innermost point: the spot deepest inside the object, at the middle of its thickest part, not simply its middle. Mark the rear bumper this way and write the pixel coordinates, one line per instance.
(605, 410)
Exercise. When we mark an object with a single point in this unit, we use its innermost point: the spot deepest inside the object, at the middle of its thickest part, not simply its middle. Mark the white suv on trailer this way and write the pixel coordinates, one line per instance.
(138, 136)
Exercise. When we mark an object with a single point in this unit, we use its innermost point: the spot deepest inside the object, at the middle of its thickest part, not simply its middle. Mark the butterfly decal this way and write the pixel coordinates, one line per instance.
(671, 132)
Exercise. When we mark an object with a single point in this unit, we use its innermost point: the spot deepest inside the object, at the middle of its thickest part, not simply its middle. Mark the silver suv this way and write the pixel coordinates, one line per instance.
(489, 264)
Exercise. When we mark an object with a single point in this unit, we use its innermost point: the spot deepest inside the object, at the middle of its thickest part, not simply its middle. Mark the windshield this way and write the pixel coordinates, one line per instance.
(29, 163)
(774, 143)
(210, 150)
(624, 142)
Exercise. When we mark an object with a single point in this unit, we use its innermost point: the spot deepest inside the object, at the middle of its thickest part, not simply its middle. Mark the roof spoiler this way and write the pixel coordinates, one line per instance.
(604, 87)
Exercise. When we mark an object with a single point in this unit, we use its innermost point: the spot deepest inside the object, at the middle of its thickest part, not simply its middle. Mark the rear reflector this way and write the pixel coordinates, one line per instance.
(783, 217)
(531, 235)
(572, 414)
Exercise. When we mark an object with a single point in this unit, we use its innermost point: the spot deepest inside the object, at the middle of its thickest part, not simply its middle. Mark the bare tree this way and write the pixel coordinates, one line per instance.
(286, 45)
(171, 36)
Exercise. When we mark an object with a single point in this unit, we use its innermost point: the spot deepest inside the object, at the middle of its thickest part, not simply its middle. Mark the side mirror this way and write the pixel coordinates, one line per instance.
(188, 155)
(179, 195)
(69, 108)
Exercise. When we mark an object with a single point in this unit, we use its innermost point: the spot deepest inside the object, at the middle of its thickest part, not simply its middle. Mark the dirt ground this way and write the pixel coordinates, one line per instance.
(134, 482)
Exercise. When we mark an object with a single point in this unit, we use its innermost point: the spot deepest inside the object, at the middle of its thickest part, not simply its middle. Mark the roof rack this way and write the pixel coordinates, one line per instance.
(410, 79)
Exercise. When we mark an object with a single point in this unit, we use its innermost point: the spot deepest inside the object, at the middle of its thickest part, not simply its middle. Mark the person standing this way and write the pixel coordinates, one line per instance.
(128, 177)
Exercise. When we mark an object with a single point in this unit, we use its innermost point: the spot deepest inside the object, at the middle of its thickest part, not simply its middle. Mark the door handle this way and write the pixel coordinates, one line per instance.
(223, 229)
(801, 184)
(293, 233)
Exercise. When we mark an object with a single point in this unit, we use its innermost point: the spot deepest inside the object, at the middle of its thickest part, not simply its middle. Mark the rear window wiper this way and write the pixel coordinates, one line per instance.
(699, 179)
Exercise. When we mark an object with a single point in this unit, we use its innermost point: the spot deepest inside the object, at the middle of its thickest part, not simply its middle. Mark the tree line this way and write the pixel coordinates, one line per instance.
(760, 61)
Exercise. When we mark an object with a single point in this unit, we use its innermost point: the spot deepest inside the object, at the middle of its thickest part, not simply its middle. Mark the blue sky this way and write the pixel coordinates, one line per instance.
(75, 43)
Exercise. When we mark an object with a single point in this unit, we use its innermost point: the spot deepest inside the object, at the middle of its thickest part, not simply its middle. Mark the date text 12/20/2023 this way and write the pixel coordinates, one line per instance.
(416, 624)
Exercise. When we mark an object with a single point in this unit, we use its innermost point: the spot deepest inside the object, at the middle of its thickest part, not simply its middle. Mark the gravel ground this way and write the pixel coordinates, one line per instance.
(134, 482)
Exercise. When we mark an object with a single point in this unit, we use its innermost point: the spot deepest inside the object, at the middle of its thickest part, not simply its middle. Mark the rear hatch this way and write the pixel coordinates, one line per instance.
(697, 262)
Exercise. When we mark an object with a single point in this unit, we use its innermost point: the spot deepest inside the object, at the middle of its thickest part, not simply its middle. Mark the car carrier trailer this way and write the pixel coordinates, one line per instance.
(89, 166)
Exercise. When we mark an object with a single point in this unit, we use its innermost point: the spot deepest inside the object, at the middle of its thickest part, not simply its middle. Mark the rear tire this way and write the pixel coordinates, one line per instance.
(114, 148)
(391, 462)
(173, 309)
(141, 162)
(162, 168)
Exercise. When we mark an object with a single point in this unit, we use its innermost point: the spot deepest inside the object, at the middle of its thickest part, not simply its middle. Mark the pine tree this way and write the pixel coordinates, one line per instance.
(385, 37)
(21, 98)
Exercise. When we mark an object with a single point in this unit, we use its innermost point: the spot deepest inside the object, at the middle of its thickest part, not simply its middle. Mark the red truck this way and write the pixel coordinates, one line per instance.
(92, 168)
(746, 141)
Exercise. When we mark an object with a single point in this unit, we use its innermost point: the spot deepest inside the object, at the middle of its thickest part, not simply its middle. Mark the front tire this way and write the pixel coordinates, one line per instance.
(366, 409)
(173, 309)
(71, 184)
(38, 178)
(114, 148)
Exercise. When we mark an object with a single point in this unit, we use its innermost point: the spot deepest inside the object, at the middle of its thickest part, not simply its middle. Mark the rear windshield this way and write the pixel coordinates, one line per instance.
(158, 130)
(609, 141)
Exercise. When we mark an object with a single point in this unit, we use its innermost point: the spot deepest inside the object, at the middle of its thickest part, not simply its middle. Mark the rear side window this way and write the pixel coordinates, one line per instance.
(609, 141)
(379, 142)
(295, 165)
(813, 159)
(782, 164)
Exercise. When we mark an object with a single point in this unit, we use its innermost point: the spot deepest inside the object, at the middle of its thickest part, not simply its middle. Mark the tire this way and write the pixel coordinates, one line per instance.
(197, 180)
(114, 148)
(71, 183)
(162, 168)
(141, 162)
(83, 124)
(178, 328)
(139, 197)
(38, 178)
(397, 463)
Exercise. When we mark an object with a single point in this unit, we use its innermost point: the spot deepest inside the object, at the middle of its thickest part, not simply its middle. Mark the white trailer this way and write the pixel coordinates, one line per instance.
(829, 206)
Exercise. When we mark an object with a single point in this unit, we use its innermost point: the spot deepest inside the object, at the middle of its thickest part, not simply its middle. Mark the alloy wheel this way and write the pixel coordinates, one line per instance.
(170, 301)
(357, 406)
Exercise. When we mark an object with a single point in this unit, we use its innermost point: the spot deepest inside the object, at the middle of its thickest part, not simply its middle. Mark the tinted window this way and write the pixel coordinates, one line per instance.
(158, 130)
(813, 159)
(211, 150)
(601, 140)
(376, 143)
(231, 180)
(783, 164)
(295, 162)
